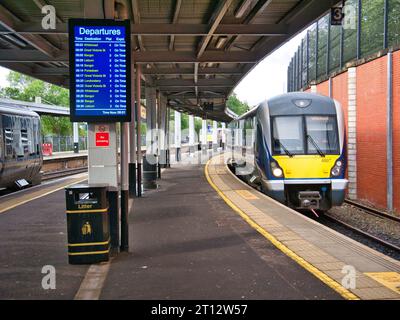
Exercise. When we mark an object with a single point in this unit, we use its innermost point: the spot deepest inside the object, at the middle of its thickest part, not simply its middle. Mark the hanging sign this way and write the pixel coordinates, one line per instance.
(100, 68)
(337, 16)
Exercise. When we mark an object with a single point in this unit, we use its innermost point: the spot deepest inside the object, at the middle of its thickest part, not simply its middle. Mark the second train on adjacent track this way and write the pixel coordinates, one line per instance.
(293, 147)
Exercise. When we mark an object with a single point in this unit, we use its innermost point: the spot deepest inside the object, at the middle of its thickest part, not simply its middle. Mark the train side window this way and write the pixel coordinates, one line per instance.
(24, 140)
(8, 141)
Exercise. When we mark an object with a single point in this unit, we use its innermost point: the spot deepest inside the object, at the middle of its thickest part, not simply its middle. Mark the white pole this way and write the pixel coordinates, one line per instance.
(75, 126)
(177, 121)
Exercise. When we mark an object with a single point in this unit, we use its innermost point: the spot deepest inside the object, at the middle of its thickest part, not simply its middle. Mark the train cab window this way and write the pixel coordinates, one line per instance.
(288, 135)
(322, 134)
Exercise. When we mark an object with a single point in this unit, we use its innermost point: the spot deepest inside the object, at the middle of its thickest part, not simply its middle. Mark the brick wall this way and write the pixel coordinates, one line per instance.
(371, 131)
(339, 93)
(323, 88)
(362, 92)
(396, 130)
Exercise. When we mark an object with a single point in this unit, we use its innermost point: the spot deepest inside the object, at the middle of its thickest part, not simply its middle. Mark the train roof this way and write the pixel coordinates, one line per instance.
(14, 109)
(287, 104)
(284, 104)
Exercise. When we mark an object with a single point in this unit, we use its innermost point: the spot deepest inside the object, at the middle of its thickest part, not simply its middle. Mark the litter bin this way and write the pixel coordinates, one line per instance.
(87, 223)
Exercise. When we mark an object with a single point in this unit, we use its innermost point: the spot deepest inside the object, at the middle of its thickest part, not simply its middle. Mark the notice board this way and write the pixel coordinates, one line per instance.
(100, 68)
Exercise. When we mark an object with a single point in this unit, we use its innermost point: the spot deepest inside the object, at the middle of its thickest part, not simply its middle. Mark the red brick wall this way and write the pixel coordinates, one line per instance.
(396, 130)
(371, 127)
(371, 131)
(339, 93)
(323, 88)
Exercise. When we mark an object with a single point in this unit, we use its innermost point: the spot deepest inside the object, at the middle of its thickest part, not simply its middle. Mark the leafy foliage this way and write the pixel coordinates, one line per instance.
(237, 106)
(26, 88)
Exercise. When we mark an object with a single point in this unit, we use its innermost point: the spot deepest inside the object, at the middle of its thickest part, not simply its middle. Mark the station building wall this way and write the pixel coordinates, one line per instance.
(364, 104)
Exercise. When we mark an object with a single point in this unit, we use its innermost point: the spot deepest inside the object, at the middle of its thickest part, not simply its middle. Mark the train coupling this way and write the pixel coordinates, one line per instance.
(309, 199)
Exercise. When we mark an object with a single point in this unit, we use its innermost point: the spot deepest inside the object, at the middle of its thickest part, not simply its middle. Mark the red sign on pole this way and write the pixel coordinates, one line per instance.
(102, 139)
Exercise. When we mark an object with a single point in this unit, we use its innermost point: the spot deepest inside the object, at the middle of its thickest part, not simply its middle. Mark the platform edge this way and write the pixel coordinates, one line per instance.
(279, 245)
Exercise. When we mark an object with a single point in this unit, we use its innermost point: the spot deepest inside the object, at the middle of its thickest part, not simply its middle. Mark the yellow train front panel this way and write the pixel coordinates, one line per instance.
(306, 166)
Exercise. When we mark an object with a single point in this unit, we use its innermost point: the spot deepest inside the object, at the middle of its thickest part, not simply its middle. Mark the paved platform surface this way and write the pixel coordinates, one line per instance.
(189, 240)
(33, 234)
(323, 251)
(186, 243)
(65, 155)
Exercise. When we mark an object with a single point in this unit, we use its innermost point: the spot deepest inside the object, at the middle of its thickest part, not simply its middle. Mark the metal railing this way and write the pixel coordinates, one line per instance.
(368, 27)
(65, 143)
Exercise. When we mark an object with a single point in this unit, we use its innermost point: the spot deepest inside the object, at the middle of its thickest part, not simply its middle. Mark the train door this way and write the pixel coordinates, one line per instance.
(27, 138)
(34, 149)
(21, 144)
(9, 164)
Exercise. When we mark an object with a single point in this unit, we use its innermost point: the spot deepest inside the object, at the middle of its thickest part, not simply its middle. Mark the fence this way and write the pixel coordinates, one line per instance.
(368, 27)
(65, 143)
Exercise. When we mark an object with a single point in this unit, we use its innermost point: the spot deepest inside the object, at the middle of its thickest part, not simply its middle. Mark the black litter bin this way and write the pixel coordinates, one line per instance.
(88, 224)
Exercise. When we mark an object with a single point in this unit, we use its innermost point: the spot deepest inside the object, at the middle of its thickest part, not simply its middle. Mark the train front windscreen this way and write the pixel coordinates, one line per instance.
(300, 135)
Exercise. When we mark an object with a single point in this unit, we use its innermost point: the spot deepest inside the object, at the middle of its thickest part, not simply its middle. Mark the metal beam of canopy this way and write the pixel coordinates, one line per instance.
(163, 29)
(205, 46)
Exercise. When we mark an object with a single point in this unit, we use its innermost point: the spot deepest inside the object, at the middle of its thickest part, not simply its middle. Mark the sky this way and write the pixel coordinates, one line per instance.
(3, 77)
(269, 77)
(266, 80)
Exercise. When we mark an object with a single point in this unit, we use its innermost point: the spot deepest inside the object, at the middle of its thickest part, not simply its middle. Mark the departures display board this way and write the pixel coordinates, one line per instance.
(100, 68)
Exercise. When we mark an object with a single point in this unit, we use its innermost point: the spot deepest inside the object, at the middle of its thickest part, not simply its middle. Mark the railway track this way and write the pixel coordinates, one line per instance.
(372, 211)
(62, 173)
(47, 176)
(367, 235)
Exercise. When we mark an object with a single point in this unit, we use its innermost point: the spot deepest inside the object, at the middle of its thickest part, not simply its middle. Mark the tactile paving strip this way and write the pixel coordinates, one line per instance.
(323, 248)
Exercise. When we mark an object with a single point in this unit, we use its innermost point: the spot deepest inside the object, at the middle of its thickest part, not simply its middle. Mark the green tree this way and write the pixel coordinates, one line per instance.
(184, 121)
(237, 106)
(26, 88)
(197, 125)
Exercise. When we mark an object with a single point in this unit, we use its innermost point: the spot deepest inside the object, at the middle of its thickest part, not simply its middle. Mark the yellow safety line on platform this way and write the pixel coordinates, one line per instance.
(306, 265)
(40, 196)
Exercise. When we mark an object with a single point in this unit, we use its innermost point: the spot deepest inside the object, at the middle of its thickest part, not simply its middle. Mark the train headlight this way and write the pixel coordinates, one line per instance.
(335, 171)
(302, 103)
(277, 172)
(337, 168)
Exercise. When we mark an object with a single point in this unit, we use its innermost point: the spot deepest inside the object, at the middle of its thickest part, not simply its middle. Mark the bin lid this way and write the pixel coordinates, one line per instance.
(87, 186)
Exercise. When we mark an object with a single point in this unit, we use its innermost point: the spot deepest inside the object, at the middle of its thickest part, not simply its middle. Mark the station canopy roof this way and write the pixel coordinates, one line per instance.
(194, 51)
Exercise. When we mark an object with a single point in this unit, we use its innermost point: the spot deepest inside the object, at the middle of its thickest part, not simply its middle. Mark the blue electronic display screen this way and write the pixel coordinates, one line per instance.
(99, 70)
